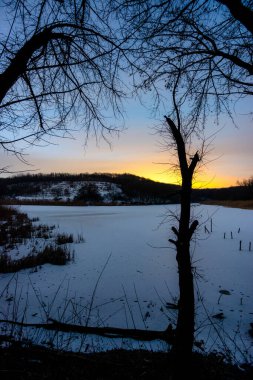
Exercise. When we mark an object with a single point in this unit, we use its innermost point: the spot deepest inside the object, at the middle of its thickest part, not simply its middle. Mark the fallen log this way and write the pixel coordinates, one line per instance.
(108, 332)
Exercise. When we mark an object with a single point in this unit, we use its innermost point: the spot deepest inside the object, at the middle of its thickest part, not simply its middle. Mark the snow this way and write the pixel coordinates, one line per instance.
(125, 272)
(68, 190)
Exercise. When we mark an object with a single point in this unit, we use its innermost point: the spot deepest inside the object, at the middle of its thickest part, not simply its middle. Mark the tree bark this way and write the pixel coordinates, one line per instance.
(18, 64)
(240, 12)
(184, 334)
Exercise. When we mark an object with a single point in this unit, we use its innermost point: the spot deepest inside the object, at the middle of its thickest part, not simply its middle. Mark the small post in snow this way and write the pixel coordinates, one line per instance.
(206, 230)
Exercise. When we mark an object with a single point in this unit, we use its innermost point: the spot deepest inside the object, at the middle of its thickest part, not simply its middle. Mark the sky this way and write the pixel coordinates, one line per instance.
(137, 150)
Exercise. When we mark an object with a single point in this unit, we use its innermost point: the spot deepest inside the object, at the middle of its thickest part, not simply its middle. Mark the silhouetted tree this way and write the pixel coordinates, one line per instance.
(178, 137)
(89, 193)
(59, 64)
(247, 184)
(207, 42)
(184, 334)
(201, 51)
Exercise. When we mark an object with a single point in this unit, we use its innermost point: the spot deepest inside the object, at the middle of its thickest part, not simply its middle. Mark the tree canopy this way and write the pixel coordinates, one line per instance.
(59, 63)
(200, 50)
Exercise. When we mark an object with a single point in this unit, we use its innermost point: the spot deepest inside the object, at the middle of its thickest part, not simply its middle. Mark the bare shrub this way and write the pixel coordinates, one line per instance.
(64, 239)
(49, 255)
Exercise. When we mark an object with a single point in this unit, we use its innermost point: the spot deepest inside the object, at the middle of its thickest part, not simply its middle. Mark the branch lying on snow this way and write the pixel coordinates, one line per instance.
(108, 332)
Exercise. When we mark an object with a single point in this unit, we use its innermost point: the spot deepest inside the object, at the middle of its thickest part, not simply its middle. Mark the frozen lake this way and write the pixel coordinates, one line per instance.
(125, 272)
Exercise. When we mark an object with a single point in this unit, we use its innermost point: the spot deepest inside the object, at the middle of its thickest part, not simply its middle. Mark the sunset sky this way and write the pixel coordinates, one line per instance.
(137, 150)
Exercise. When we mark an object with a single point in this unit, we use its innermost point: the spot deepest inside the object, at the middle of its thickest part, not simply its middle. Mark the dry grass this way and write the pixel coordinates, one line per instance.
(16, 228)
(235, 204)
(49, 255)
(43, 364)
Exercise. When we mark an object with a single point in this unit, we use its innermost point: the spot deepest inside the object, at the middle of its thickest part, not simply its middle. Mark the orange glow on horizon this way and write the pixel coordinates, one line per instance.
(201, 182)
(204, 179)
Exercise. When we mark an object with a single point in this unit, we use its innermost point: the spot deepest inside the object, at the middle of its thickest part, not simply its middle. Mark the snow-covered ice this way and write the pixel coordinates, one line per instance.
(125, 272)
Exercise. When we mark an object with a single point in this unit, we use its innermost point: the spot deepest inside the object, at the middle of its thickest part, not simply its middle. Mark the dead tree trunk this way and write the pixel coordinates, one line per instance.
(108, 332)
(184, 334)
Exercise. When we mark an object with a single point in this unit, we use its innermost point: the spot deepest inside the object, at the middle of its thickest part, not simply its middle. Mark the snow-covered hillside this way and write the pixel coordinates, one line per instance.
(87, 189)
(73, 190)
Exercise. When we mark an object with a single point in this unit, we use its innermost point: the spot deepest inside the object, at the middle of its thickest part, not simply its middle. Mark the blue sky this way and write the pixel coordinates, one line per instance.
(137, 150)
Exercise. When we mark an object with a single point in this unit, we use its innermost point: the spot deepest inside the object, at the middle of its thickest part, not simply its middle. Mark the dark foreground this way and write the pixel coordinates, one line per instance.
(37, 363)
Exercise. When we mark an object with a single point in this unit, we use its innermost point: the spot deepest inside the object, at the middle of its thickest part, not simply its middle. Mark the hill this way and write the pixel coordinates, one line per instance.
(106, 189)
(86, 189)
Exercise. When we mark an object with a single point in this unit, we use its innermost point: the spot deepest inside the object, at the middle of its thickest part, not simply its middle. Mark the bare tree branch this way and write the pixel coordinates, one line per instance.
(59, 70)
(207, 44)
(240, 12)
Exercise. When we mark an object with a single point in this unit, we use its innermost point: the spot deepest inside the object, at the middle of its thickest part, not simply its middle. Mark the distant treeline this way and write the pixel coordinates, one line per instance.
(234, 193)
(132, 186)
